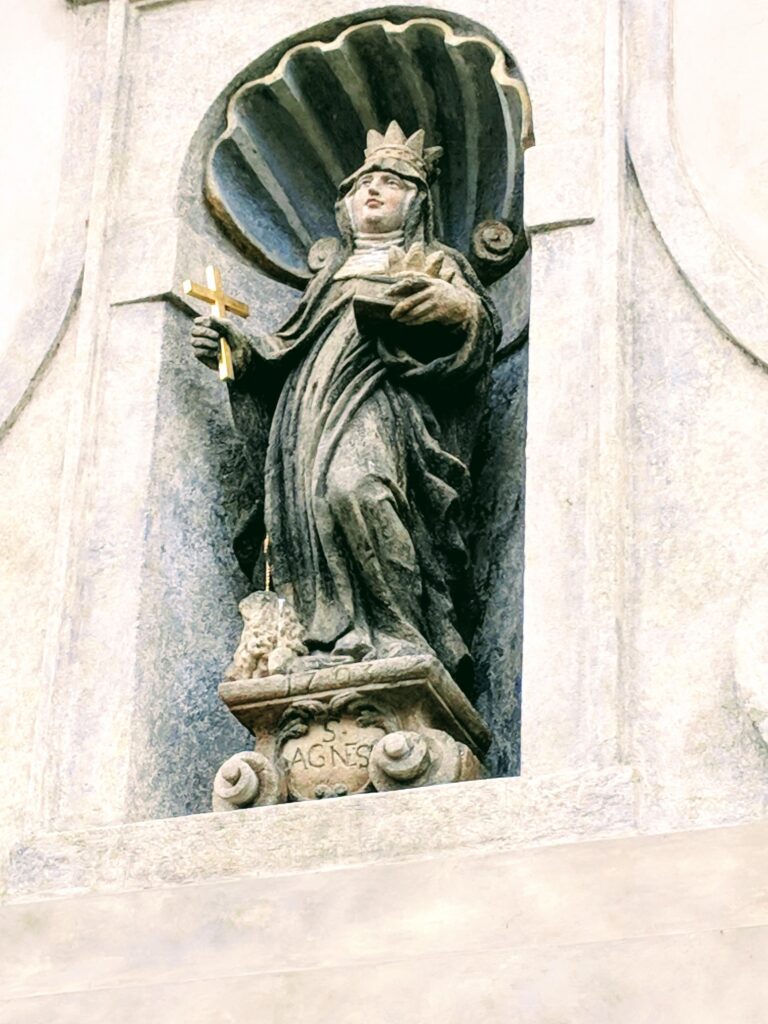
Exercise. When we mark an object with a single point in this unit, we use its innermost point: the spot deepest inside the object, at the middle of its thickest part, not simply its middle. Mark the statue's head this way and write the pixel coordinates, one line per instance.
(390, 191)
(379, 201)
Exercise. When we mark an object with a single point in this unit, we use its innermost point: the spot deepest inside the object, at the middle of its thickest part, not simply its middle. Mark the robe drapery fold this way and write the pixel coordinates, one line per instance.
(366, 481)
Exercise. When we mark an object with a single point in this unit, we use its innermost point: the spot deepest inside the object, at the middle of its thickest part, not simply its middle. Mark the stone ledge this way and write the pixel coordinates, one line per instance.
(669, 928)
(490, 815)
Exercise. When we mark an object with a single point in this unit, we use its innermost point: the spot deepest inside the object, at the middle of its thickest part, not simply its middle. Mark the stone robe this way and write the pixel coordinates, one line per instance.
(367, 483)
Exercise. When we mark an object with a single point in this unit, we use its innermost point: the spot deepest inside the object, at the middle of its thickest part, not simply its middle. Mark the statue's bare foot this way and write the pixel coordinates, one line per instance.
(317, 660)
(394, 647)
(354, 644)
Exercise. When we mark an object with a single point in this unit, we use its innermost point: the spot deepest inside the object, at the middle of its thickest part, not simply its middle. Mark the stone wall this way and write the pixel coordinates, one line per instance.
(643, 702)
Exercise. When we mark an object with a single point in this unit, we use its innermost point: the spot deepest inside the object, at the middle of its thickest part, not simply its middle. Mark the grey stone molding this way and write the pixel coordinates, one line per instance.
(491, 814)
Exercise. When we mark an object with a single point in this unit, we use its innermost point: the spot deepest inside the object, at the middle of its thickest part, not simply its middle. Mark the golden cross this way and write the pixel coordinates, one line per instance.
(222, 303)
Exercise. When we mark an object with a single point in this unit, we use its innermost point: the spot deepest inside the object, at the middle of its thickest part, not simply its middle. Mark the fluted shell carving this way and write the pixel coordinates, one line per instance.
(294, 134)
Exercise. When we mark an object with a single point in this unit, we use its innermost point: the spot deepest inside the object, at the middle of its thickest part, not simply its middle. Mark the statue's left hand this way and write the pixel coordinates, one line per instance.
(427, 299)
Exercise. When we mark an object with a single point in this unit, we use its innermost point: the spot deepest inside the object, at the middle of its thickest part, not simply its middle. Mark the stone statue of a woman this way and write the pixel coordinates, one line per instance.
(373, 389)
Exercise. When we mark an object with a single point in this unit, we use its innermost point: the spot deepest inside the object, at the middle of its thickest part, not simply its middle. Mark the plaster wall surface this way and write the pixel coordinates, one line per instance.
(722, 116)
(696, 532)
(36, 51)
(31, 461)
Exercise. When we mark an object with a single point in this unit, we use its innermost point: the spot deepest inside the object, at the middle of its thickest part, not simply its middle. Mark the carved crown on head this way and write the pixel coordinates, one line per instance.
(393, 144)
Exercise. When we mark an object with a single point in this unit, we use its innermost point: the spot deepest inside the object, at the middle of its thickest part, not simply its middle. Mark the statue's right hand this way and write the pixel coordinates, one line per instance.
(206, 335)
(206, 340)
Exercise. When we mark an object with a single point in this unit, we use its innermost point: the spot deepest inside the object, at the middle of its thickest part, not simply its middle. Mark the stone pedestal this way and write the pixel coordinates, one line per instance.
(378, 725)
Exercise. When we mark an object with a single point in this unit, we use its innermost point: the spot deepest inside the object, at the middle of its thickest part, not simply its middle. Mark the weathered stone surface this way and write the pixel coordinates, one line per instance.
(271, 637)
(646, 495)
(330, 758)
(318, 729)
(330, 135)
(28, 519)
(361, 413)
(247, 780)
(259, 703)
(492, 814)
(499, 530)
(698, 519)
(148, 228)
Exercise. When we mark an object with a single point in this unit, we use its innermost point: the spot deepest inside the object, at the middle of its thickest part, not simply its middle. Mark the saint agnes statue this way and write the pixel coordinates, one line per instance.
(375, 387)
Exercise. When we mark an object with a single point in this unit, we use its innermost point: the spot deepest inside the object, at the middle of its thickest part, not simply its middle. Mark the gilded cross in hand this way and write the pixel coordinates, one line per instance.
(222, 304)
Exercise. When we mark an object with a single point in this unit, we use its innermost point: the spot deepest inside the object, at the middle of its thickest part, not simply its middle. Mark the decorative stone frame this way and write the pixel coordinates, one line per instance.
(96, 720)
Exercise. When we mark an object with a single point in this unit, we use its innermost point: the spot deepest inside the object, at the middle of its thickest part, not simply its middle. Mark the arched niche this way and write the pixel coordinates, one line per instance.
(297, 129)
(248, 183)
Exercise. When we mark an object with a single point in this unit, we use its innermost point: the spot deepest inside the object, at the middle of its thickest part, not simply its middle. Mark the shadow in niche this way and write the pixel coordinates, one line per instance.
(497, 549)
(256, 206)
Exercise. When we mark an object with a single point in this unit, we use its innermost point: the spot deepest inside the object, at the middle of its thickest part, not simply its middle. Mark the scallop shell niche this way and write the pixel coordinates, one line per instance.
(294, 134)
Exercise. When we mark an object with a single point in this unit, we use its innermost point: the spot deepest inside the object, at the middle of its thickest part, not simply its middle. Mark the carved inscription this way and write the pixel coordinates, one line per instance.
(330, 759)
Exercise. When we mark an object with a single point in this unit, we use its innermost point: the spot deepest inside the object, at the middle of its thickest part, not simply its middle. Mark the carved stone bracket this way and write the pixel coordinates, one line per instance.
(350, 729)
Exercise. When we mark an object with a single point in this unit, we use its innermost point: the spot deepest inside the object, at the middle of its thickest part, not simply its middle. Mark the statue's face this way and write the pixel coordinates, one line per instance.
(380, 201)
